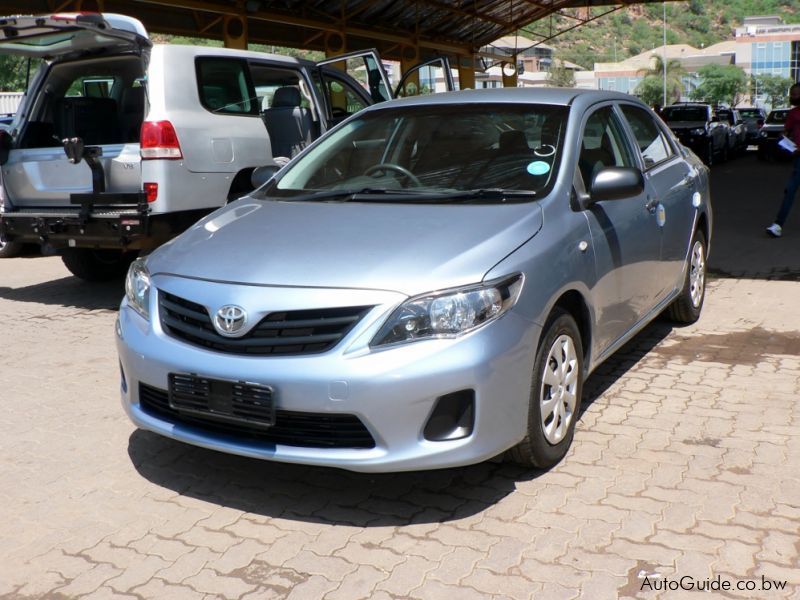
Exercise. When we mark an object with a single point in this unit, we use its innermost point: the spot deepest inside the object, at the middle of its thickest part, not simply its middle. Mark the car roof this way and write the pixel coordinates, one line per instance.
(557, 96)
(230, 52)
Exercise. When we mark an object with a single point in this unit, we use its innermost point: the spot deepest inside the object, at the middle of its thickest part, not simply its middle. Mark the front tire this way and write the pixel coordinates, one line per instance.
(555, 397)
(710, 154)
(97, 265)
(686, 308)
(9, 249)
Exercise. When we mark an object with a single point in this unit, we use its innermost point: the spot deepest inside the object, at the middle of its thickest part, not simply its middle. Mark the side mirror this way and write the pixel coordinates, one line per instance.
(616, 183)
(262, 175)
(5, 145)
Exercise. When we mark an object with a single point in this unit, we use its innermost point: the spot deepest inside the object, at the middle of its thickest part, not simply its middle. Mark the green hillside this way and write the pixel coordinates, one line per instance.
(638, 28)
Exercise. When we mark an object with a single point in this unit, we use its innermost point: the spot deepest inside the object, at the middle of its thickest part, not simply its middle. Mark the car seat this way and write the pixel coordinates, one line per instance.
(290, 126)
(95, 120)
(132, 113)
(592, 159)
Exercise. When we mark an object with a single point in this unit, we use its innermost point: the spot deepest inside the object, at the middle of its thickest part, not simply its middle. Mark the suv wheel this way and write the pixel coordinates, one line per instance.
(555, 398)
(97, 265)
(9, 249)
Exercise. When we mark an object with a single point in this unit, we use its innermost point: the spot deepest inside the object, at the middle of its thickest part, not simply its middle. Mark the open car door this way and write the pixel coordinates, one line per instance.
(351, 82)
(426, 78)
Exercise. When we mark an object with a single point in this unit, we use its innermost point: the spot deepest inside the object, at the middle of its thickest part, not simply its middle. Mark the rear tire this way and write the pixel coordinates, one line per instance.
(9, 249)
(97, 265)
(555, 397)
(686, 308)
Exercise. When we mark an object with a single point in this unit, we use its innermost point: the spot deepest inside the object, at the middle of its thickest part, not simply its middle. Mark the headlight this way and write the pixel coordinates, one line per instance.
(698, 131)
(449, 313)
(137, 288)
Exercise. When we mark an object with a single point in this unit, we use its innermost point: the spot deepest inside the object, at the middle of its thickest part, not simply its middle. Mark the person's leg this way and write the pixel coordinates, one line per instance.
(789, 193)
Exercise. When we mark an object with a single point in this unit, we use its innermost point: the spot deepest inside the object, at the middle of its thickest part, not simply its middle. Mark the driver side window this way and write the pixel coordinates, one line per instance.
(603, 144)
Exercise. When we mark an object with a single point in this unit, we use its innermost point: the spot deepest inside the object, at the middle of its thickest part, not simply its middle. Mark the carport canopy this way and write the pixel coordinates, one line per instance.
(403, 30)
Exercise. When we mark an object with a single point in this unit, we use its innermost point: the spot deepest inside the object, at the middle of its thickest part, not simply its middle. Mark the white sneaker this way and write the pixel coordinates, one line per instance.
(775, 230)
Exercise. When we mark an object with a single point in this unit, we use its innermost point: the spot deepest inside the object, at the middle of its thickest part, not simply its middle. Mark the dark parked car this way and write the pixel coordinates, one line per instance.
(699, 129)
(737, 130)
(770, 135)
(426, 286)
(753, 120)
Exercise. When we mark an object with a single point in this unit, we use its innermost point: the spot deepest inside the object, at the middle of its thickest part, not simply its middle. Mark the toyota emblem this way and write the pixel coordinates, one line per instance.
(229, 320)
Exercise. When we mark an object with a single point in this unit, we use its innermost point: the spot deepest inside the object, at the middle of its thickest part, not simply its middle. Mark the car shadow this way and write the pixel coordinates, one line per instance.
(623, 360)
(323, 494)
(334, 496)
(69, 292)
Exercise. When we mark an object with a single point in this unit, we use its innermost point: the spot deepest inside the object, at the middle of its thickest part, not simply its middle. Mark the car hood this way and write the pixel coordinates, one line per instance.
(407, 248)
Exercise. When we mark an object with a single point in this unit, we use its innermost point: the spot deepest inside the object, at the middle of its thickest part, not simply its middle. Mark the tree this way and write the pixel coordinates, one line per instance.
(774, 87)
(13, 72)
(721, 84)
(559, 75)
(651, 88)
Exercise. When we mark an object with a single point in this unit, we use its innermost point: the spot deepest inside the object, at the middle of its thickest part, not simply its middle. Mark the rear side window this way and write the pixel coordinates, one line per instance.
(649, 137)
(225, 87)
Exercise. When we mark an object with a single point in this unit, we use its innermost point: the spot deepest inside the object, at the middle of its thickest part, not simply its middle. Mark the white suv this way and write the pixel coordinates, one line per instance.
(119, 144)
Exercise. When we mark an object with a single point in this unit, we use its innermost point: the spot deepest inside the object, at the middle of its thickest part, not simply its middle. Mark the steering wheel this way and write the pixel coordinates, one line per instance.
(396, 168)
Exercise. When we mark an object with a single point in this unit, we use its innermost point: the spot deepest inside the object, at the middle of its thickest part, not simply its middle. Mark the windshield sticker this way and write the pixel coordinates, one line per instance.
(538, 167)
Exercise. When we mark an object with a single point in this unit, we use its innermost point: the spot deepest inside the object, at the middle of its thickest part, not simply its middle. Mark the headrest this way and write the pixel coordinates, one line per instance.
(286, 96)
(513, 141)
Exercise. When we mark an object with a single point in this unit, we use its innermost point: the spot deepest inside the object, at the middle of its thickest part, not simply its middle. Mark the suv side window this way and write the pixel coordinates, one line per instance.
(224, 86)
(603, 145)
(649, 137)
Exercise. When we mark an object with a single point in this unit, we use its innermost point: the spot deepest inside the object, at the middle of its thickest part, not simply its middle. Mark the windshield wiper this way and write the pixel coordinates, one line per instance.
(344, 195)
(417, 196)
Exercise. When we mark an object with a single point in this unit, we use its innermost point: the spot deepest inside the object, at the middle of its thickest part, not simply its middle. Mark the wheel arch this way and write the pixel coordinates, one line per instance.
(240, 184)
(573, 302)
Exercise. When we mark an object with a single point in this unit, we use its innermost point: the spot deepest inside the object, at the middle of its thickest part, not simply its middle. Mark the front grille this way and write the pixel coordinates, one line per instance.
(279, 333)
(308, 430)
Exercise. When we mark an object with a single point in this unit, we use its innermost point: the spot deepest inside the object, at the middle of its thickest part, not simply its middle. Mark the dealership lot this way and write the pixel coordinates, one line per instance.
(685, 464)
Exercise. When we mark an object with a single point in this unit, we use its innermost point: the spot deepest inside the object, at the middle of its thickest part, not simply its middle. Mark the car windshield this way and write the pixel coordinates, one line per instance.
(483, 152)
(684, 113)
(777, 116)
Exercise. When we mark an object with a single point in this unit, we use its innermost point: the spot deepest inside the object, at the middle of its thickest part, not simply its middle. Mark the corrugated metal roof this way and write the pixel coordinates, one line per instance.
(459, 27)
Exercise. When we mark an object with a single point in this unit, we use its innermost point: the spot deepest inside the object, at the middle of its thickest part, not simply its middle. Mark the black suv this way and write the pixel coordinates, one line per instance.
(698, 128)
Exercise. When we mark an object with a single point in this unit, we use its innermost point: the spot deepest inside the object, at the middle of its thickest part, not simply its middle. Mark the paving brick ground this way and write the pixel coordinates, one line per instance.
(686, 463)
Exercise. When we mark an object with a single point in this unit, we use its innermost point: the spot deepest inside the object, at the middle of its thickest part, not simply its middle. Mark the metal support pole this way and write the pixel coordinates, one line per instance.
(664, 52)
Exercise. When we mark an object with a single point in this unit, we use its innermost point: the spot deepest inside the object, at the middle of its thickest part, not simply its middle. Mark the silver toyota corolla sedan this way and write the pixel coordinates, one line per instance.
(426, 286)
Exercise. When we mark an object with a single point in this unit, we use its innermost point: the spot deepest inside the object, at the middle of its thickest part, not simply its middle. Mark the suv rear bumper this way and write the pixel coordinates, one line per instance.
(123, 227)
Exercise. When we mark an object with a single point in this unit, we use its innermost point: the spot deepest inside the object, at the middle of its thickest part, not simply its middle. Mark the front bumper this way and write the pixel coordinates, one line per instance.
(392, 391)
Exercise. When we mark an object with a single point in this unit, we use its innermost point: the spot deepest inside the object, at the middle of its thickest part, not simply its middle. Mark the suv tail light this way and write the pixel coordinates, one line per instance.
(760, 123)
(159, 140)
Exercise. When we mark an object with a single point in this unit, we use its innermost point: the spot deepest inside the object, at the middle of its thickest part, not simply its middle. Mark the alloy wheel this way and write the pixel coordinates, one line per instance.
(697, 274)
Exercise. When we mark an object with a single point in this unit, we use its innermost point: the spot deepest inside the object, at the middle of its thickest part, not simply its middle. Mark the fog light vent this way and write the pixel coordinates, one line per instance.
(452, 418)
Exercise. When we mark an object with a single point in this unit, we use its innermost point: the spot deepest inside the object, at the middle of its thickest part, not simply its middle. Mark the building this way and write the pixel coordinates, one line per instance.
(761, 46)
